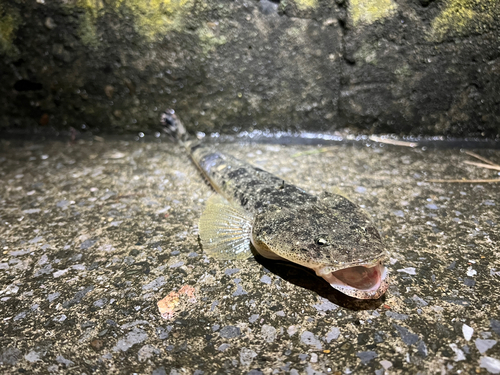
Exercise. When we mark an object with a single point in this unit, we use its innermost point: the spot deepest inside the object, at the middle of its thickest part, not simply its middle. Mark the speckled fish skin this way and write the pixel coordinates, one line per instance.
(251, 188)
(325, 233)
(328, 233)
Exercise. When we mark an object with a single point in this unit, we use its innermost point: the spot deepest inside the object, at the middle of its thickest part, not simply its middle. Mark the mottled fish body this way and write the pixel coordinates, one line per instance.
(327, 233)
(253, 189)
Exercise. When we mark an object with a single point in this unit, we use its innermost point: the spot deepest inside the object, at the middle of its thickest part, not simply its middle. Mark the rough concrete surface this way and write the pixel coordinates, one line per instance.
(95, 233)
(405, 67)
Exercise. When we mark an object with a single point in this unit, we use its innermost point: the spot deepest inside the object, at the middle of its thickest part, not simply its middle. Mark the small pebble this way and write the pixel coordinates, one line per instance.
(467, 331)
(96, 344)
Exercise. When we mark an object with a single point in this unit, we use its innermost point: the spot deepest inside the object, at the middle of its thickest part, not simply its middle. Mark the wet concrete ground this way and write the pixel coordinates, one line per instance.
(94, 234)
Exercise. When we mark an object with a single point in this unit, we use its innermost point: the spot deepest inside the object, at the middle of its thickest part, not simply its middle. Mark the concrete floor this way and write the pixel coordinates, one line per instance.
(94, 233)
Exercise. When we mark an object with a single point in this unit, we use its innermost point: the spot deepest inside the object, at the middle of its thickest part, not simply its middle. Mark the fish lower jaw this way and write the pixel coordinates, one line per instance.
(364, 282)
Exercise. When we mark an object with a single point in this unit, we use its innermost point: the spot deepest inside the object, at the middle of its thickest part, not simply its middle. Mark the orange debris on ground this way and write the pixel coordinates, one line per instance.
(170, 303)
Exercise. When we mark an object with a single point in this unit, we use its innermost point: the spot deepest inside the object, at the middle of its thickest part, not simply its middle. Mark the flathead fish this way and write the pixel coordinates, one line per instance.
(327, 233)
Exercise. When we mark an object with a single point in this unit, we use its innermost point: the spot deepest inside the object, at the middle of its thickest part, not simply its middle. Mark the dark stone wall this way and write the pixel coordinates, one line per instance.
(404, 67)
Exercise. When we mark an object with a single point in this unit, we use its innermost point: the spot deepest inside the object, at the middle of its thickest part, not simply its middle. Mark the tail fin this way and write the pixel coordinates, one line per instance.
(173, 126)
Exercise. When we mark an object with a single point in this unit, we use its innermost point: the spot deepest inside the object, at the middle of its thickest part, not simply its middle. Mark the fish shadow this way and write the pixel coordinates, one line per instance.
(307, 279)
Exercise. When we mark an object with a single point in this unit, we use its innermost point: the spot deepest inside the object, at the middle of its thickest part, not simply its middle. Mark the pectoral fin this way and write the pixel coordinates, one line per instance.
(225, 230)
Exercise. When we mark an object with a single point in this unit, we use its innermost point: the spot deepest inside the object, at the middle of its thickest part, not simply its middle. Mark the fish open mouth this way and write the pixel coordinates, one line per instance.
(362, 281)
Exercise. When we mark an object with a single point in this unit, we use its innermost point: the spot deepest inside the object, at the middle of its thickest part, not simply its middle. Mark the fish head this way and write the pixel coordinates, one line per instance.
(332, 236)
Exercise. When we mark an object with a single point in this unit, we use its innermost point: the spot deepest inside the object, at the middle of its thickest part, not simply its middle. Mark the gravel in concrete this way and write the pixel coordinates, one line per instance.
(94, 234)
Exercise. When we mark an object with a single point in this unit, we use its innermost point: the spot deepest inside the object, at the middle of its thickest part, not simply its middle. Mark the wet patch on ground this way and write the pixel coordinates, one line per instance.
(94, 234)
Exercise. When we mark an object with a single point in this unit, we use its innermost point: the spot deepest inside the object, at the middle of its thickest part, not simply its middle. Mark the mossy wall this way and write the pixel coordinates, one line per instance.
(406, 67)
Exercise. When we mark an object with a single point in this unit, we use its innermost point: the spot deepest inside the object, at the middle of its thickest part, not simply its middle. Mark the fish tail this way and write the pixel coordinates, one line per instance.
(173, 126)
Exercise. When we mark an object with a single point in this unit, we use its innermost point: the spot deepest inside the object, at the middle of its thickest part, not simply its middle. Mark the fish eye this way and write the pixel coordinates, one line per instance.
(321, 241)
